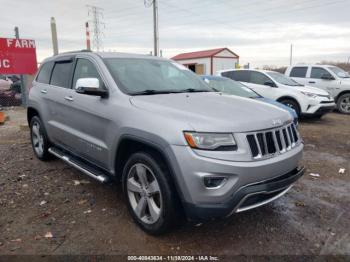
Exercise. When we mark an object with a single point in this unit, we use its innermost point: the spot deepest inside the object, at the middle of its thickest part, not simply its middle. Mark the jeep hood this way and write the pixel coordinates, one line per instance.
(213, 112)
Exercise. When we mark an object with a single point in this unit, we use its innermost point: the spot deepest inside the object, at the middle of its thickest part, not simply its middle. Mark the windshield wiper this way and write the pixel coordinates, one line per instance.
(153, 92)
(192, 90)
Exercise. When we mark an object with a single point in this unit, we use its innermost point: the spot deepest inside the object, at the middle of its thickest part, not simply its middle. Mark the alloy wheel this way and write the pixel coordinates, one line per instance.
(38, 139)
(144, 193)
(345, 104)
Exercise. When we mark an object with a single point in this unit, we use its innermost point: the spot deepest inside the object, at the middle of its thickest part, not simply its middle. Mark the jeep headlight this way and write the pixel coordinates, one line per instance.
(309, 94)
(211, 141)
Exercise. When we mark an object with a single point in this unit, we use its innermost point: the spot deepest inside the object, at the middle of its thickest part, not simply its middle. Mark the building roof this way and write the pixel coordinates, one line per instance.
(202, 54)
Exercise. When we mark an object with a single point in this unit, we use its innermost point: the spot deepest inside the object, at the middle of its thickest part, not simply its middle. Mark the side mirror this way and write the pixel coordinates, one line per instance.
(271, 84)
(90, 86)
(327, 77)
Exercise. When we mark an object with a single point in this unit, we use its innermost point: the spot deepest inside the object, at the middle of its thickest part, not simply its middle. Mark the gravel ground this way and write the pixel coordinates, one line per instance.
(50, 208)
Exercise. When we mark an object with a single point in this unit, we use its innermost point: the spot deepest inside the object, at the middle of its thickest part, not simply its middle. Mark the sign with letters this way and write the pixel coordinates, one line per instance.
(17, 56)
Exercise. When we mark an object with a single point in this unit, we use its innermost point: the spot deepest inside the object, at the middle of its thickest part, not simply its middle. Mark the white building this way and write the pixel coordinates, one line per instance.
(207, 62)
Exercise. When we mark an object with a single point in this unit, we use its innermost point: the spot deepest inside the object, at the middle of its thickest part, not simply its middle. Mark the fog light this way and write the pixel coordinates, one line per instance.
(214, 182)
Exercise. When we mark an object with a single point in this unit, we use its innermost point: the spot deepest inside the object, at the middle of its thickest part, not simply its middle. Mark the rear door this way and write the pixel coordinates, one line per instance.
(299, 74)
(58, 98)
(41, 93)
(330, 85)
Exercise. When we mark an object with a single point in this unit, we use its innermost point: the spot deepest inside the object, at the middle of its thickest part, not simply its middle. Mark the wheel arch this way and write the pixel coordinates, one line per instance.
(340, 94)
(31, 112)
(290, 98)
(129, 144)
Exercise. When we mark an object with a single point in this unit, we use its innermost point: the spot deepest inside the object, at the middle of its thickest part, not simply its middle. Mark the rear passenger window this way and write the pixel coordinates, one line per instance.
(45, 73)
(298, 72)
(241, 76)
(61, 74)
(259, 78)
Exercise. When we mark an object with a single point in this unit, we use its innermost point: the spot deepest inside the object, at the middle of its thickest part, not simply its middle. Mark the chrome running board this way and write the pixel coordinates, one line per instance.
(80, 165)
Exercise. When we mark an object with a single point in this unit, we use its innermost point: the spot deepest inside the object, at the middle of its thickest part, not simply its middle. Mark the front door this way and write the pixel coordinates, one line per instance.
(262, 84)
(315, 80)
(89, 118)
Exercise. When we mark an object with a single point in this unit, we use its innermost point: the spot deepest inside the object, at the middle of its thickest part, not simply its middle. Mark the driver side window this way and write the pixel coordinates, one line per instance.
(86, 69)
(318, 72)
(259, 78)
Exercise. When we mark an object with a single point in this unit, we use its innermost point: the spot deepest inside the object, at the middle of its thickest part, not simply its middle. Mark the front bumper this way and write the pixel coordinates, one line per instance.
(319, 108)
(246, 198)
(324, 109)
(199, 201)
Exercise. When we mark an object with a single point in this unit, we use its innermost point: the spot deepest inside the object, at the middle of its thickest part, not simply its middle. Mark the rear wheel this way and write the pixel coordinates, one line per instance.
(40, 142)
(292, 104)
(343, 104)
(151, 198)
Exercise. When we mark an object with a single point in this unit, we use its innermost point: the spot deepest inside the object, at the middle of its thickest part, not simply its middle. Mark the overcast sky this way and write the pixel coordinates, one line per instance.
(259, 31)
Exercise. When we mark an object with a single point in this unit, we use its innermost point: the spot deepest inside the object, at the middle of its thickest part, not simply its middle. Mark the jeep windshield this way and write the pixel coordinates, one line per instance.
(282, 79)
(136, 76)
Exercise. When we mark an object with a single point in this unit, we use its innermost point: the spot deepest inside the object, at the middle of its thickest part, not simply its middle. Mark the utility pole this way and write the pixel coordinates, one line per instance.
(54, 36)
(291, 55)
(148, 3)
(97, 24)
(23, 88)
(155, 27)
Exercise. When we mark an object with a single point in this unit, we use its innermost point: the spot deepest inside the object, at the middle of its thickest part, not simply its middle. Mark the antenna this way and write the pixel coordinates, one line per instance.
(96, 13)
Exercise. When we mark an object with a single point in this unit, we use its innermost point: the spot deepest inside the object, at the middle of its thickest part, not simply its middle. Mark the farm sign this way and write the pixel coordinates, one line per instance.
(17, 56)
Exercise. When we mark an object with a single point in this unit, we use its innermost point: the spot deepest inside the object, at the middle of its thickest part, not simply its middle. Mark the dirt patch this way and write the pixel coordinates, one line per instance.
(44, 210)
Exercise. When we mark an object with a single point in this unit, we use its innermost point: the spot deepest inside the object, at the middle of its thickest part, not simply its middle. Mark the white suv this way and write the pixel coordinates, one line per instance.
(328, 77)
(305, 100)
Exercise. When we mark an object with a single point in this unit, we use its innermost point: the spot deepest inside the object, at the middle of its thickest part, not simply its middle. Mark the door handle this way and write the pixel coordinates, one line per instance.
(312, 82)
(69, 98)
(43, 91)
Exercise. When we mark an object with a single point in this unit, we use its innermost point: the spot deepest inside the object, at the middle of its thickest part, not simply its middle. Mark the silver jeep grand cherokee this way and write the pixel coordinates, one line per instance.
(180, 148)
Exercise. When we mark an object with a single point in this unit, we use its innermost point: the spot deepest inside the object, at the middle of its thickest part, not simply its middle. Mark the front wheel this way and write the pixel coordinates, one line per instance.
(292, 104)
(343, 104)
(150, 195)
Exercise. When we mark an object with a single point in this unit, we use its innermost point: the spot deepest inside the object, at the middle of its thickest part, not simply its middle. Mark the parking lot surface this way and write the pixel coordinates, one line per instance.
(51, 208)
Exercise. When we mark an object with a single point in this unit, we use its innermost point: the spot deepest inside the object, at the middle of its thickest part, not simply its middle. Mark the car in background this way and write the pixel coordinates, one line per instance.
(5, 82)
(232, 87)
(305, 100)
(327, 77)
(14, 78)
(8, 97)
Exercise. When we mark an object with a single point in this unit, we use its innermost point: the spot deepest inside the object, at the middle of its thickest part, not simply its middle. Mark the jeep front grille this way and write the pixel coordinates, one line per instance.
(264, 144)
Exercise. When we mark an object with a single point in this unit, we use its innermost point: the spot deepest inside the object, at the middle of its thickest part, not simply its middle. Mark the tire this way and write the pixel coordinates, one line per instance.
(38, 137)
(343, 103)
(151, 197)
(292, 104)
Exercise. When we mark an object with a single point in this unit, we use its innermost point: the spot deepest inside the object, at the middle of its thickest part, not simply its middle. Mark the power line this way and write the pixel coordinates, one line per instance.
(97, 24)
(237, 25)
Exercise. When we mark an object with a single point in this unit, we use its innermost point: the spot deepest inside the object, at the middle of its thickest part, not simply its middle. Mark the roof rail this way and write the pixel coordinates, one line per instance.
(76, 51)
